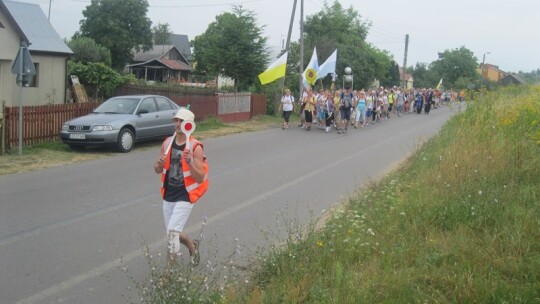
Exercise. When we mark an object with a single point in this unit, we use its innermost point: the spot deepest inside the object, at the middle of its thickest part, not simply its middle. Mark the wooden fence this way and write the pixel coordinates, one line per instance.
(43, 123)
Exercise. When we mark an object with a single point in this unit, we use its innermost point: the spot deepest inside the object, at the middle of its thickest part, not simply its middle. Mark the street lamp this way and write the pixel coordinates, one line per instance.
(348, 77)
(484, 70)
(484, 58)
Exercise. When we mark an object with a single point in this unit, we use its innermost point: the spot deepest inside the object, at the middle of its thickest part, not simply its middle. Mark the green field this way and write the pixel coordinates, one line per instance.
(459, 222)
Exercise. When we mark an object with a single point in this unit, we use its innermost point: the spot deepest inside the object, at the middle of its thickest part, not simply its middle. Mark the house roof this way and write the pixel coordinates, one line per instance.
(406, 77)
(182, 44)
(171, 64)
(32, 25)
(157, 51)
(512, 78)
(494, 67)
(176, 65)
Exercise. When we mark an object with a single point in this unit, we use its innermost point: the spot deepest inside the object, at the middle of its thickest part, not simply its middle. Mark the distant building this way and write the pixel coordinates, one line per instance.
(491, 72)
(24, 22)
(162, 63)
(512, 79)
(182, 44)
(406, 80)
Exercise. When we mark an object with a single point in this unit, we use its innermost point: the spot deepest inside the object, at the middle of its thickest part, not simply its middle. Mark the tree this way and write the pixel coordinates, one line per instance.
(424, 77)
(455, 64)
(232, 46)
(162, 33)
(86, 50)
(100, 80)
(392, 77)
(337, 28)
(120, 26)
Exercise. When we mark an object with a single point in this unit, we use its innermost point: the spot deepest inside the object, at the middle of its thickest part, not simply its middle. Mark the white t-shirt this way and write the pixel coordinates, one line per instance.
(287, 102)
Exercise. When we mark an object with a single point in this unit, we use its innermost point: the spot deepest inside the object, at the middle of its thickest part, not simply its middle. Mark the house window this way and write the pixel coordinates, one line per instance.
(34, 80)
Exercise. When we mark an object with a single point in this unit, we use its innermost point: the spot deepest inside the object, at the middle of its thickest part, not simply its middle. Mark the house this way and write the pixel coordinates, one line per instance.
(512, 79)
(162, 63)
(25, 22)
(182, 44)
(491, 72)
(406, 80)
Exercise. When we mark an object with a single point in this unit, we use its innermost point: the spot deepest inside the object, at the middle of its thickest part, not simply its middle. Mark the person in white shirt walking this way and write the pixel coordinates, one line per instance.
(287, 106)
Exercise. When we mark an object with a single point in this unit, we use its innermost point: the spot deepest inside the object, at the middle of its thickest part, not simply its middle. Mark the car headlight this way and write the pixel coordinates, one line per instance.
(102, 128)
(65, 127)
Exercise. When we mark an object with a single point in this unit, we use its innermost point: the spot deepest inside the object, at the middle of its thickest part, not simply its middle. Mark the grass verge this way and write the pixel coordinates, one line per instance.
(457, 223)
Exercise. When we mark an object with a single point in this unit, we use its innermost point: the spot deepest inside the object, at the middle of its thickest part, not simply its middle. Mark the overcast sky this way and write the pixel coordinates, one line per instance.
(506, 29)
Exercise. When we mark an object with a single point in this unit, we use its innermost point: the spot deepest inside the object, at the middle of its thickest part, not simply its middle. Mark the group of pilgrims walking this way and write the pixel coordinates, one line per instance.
(339, 109)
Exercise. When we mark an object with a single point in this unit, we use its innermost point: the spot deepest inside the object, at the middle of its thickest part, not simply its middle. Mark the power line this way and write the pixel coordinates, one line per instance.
(205, 5)
(175, 5)
(384, 32)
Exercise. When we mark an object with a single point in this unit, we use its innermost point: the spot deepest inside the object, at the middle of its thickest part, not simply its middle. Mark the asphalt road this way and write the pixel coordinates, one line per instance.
(67, 232)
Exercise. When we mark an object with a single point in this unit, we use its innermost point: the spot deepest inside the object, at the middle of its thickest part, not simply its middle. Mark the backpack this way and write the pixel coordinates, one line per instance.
(347, 102)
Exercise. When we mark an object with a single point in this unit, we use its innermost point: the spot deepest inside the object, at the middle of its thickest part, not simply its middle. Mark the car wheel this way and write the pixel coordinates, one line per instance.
(125, 140)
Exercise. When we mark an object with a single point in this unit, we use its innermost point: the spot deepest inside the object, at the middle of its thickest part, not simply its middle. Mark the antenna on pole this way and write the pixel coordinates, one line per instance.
(49, 17)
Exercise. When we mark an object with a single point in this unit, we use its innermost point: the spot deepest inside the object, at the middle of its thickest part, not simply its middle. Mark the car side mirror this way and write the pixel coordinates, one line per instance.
(143, 111)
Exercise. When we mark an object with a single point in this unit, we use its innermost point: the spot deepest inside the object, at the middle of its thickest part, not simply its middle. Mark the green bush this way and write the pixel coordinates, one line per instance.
(99, 79)
(86, 50)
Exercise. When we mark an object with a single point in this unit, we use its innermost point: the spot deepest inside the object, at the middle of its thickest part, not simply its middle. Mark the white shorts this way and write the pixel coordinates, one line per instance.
(176, 215)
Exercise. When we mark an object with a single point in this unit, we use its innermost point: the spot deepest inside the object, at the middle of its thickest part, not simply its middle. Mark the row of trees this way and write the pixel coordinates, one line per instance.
(233, 45)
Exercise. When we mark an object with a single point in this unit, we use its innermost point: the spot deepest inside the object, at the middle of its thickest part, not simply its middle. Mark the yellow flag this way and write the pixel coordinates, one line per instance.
(439, 85)
(275, 71)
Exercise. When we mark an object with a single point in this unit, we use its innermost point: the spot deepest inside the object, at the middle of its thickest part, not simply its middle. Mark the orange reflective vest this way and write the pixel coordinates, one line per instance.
(194, 189)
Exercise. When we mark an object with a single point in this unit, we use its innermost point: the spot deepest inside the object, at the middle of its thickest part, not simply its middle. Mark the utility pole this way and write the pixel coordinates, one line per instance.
(406, 52)
(405, 59)
(301, 48)
(287, 44)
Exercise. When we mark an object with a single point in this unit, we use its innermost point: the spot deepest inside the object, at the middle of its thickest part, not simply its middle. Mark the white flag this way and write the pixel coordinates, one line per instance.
(312, 69)
(329, 66)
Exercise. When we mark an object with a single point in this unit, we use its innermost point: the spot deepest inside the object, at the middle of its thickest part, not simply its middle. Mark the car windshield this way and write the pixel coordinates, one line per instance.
(118, 106)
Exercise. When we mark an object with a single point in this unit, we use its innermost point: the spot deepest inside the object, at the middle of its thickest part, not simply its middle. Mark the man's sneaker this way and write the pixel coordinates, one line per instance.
(327, 129)
(195, 256)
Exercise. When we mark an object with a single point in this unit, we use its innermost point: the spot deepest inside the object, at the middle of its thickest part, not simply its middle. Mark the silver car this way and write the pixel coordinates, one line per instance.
(121, 121)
